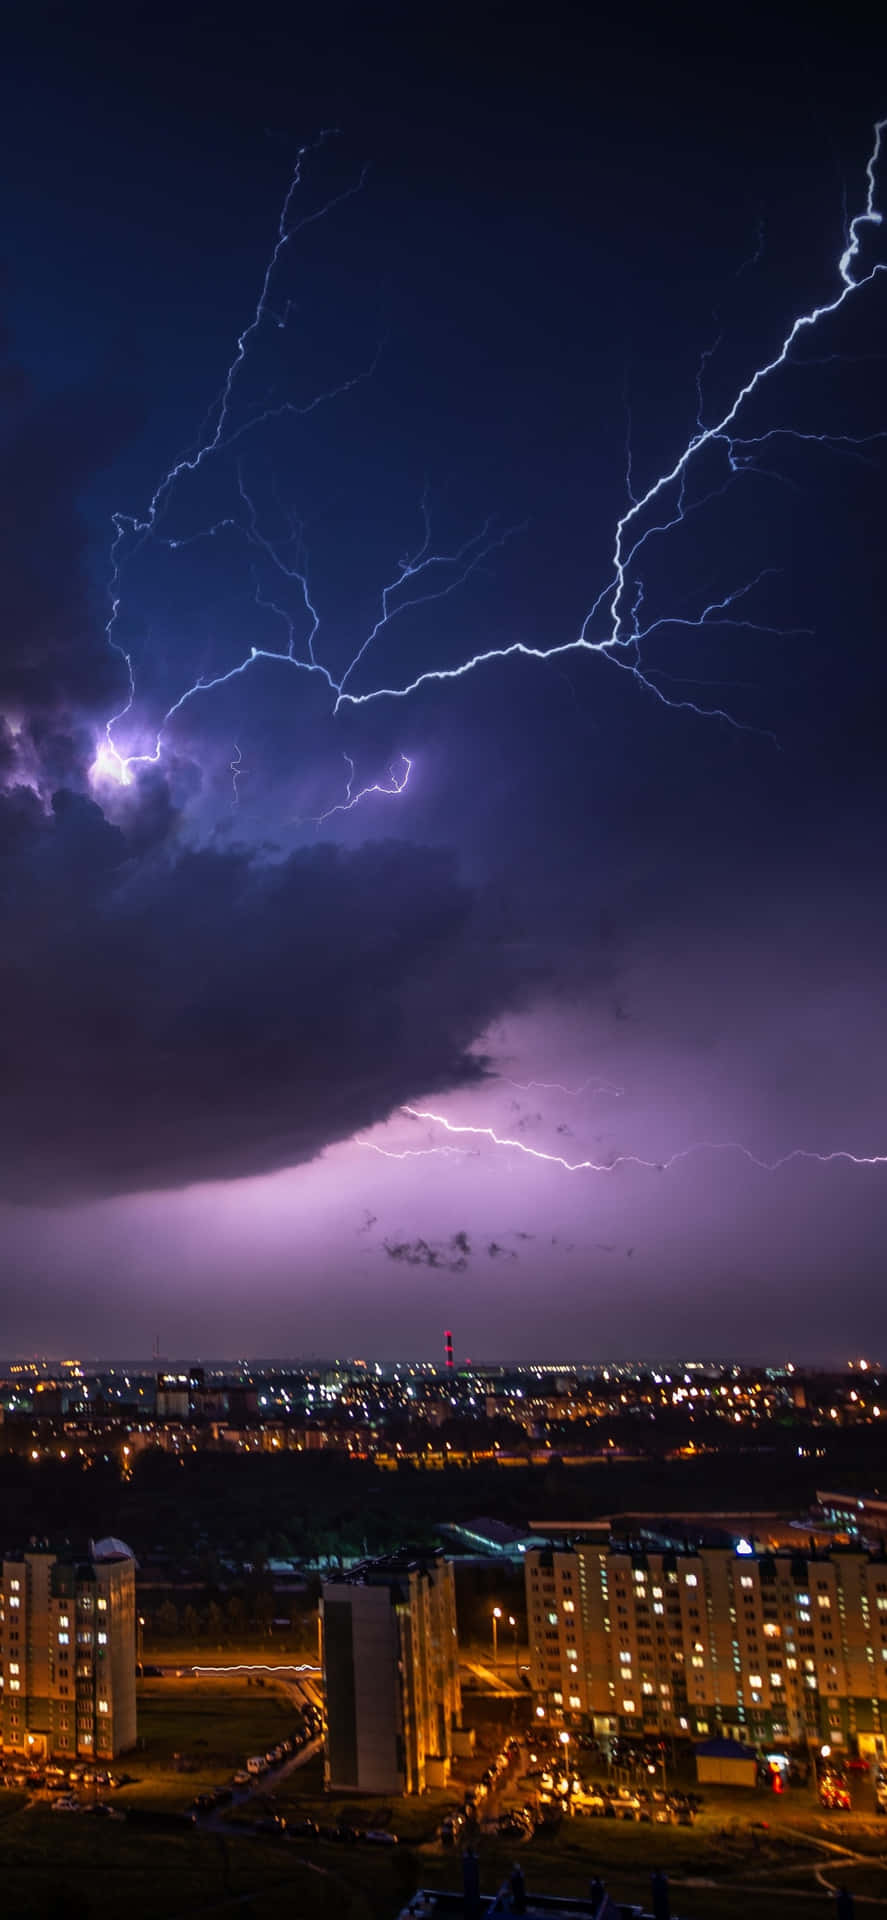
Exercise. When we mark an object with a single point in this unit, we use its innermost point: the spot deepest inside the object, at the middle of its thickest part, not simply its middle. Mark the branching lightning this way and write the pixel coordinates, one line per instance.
(638, 1160)
(399, 784)
(622, 640)
(612, 627)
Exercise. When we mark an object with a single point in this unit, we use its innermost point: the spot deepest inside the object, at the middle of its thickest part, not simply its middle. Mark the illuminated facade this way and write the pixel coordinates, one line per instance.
(67, 1655)
(391, 1674)
(770, 1646)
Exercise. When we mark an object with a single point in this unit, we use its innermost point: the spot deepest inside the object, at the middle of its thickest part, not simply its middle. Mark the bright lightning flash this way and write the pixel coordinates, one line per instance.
(638, 1160)
(613, 626)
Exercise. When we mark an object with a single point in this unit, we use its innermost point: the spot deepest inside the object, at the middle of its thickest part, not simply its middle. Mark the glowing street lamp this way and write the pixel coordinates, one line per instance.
(496, 1617)
(564, 1738)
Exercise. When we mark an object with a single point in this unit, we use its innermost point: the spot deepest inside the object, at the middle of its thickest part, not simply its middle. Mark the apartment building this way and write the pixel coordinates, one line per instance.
(768, 1646)
(391, 1673)
(67, 1653)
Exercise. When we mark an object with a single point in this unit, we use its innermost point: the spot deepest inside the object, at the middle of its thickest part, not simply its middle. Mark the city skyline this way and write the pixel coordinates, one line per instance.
(441, 778)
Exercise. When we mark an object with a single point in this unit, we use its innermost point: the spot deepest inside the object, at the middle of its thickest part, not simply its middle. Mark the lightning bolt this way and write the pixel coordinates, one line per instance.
(429, 574)
(621, 641)
(417, 1153)
(398, 785)
(638, 1160)
(235, 767)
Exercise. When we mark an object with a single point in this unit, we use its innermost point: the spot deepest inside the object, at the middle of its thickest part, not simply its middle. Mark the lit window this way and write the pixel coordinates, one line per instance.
(102, 1639)
(791, 1663)
(64, 1620)
(628, 1706)
(776, 1679)
(657, 1593)
(697, 1660)
(690, 1580)
(103, 1706)
(754, 1680)
(64, 1639)
(15, 1686)
(14, 1600)
(823, 1600)
(14, 1586)
(745, 1580)
(102, 1606)
(647, 1686)
(558, 1698)
(625, 1659)
(575, 1700)
(640, 1578)
(569, 1606)
(658, 1606)
(552, 1619)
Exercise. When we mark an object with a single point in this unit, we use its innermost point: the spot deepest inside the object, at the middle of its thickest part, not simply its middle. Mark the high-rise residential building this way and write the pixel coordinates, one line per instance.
(772, 1646)
(391, 1672)
(68, 1654)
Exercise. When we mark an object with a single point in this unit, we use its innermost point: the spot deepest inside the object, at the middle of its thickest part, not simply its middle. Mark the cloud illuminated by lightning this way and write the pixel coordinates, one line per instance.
(638, 1160)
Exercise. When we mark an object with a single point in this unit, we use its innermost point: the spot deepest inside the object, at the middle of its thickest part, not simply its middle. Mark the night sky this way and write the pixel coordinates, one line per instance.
(627, 907)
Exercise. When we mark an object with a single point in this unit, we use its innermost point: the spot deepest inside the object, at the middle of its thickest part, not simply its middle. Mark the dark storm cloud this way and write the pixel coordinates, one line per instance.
(174, 1015)
(451, 1258)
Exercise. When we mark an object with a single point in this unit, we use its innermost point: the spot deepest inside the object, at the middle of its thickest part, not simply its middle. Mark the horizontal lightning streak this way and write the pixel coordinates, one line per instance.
(417, 1153)
(638, 1160)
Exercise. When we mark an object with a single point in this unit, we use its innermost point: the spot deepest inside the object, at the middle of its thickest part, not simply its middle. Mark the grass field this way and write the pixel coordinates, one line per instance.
(216, 1724)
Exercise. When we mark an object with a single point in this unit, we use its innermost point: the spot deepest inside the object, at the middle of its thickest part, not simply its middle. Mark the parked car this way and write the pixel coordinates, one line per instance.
(625, 1804)
(66, 1803)
(834, 1793)
(380, 1837)
(590, 1801)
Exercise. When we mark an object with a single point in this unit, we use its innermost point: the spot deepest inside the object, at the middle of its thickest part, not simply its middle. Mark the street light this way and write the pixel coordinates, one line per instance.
(513, 1625)
(496, 1616)
(565, 1743)
(140, 1642)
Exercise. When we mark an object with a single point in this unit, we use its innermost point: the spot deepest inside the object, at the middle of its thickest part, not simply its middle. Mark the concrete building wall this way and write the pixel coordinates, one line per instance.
(67, 1657)
(390, 1659)
(777, 1646)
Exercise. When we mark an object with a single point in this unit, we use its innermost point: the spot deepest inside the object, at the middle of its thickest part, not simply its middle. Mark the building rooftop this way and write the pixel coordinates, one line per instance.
(388, 1566)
